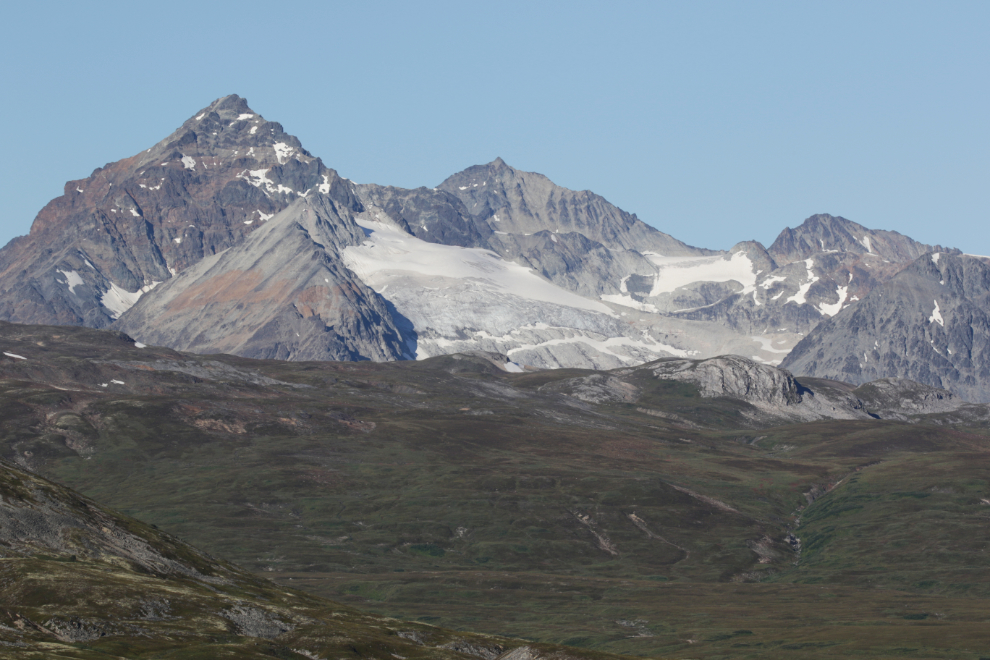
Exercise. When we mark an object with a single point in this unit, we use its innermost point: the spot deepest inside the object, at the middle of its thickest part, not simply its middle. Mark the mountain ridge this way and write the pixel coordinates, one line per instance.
(115, 237)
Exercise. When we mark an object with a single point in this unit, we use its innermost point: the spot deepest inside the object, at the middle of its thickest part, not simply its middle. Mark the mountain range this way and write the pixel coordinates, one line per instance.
(229, 237)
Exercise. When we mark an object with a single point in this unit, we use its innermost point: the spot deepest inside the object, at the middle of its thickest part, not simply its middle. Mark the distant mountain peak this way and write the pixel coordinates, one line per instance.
(823, 233)
(139, 221)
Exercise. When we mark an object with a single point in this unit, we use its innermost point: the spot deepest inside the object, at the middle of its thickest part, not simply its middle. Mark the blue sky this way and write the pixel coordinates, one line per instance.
(716, 122)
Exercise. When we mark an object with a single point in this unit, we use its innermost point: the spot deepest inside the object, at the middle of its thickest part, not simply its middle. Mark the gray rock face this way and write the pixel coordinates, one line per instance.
(135, 223)
(892, 397)
(930, 323)
(824, 233)
(282, 294)
(519, 202)
(735, 377)
(428, 214)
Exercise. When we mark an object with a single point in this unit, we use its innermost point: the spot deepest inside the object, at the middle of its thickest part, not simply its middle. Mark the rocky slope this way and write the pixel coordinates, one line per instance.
(83, 581)
(283, 293)
(135, 223)
(929, 323)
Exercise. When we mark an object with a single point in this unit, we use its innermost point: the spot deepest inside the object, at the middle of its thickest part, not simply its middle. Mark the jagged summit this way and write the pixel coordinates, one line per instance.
(518, 202)
(824, 233)
(137, 222)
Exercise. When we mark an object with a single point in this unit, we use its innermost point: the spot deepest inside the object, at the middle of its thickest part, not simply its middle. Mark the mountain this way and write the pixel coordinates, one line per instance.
(283, 293)
(517, 202)
(133, 224)
(823, 233)
(929, 323)
(203, 243)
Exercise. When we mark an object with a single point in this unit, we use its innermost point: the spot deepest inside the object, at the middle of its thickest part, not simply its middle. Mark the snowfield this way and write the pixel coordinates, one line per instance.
(676, 272)
(390, 251)
(458, 299)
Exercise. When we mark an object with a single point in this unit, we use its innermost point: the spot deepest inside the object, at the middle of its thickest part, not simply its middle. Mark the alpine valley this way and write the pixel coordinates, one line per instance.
(493, 419)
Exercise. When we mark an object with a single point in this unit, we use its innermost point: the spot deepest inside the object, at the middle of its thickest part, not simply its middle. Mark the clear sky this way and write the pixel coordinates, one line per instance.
(713, 121)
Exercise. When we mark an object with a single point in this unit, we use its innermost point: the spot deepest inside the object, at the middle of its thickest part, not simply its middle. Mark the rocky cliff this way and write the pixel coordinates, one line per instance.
(930, 323)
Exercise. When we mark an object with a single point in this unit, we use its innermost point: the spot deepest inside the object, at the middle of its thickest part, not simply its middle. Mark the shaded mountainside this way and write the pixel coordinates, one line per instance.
(929, 323)
(135, 223)
(82, 581)
(630, 510)
(283, 293)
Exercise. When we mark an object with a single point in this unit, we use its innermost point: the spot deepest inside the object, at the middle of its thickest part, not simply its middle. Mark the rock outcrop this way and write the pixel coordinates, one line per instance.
(735, 377)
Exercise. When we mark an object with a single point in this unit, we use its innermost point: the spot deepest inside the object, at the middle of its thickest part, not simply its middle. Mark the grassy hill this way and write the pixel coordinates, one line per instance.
(653, 522)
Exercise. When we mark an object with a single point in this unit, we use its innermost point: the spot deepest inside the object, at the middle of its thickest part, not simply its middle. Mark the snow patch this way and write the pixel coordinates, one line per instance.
(72, 278)
(770, 281)
(936, 316)
(189, 162)
(242, 117)
(389, 250)
(119, 300)
(801, 296)
(140, 345)
(259, 178)
(676, 272)
(935, 256)
(325, 186)
(832, 309)
(198, 117)
(513, 368)
(865, 241)
(766, 344)
(117, 382)
(628, 301)
(606, 346)
(135, 213)
(282, 152)
(14, 355)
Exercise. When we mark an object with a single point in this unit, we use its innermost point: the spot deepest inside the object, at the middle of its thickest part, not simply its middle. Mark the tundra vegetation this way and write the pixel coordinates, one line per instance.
(653, 511)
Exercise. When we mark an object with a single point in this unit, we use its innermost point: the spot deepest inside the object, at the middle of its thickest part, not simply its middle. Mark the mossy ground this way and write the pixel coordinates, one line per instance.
(446, 493)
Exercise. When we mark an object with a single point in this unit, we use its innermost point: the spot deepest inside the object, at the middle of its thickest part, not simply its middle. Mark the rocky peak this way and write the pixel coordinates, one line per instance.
(517, 202)
(823, 233)
(135, 223)
(754, 250)
(284, 293)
